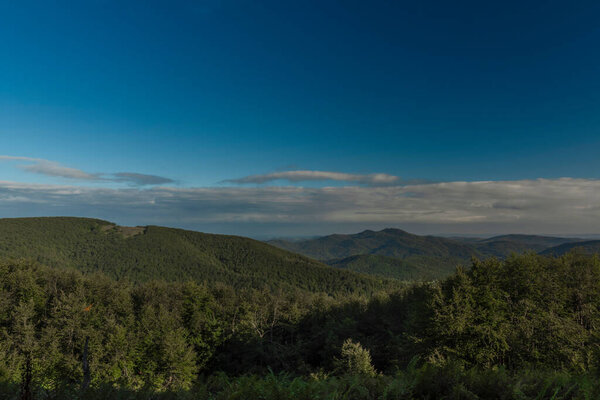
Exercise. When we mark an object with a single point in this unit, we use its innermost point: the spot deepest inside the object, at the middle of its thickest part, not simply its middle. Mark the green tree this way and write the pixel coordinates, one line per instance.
(355, 360)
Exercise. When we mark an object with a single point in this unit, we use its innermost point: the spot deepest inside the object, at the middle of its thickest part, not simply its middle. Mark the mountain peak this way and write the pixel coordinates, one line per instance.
(395, 231)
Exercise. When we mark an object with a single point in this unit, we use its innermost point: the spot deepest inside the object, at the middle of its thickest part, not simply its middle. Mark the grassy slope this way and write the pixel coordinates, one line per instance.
(172, 254)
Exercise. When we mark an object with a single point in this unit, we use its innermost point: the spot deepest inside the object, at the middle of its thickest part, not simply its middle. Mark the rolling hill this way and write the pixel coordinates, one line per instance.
(583, 247)
(390, 253)
(388, 242)
(501, 246)
(413, 268)
(145, 253)
(398, 254)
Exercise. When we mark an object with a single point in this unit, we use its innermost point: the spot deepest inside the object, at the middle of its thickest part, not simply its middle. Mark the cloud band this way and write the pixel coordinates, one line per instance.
(308, 175)
(565, 205)
(54, 169)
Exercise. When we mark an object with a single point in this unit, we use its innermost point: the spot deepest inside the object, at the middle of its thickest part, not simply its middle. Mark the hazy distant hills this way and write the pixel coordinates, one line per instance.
(501, 246)
(584, 247)
(399, 254)
(388, 242)
(390, 252)
(152, 252)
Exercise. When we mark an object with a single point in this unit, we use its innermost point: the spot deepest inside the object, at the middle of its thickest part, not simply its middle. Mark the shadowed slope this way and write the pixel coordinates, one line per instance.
(583, 247)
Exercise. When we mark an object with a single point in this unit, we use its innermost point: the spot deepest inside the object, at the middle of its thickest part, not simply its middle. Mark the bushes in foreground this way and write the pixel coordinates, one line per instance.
(451, 381)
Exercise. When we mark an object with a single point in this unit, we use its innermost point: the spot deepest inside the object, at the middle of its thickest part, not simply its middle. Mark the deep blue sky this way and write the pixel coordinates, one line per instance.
(201, 92)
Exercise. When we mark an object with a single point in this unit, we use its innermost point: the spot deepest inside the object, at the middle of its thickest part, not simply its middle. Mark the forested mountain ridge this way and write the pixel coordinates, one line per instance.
(144, 253)
(398, 254)
(501, 246)
(388, 242)
(583, 247)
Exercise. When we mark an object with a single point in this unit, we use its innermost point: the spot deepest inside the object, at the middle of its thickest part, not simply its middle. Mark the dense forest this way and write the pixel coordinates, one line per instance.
(140, 254)
(521, 328)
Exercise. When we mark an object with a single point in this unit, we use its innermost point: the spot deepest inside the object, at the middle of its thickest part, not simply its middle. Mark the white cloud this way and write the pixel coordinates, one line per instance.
(55, 169)
(564, 205)
(139, 179)
(307, 175)
(50, 168)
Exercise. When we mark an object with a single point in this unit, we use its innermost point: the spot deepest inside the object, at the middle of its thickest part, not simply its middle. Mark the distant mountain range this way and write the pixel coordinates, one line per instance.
(150, 252)
(402, 255)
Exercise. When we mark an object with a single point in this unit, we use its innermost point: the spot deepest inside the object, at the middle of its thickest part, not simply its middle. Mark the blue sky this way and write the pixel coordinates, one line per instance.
(131, 100)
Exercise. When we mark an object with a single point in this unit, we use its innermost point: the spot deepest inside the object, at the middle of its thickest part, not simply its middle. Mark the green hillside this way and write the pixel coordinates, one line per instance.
(411, 268)
(583, 247)
(398, 254)
(501, 246)
(388, 242)
(390, 253)
(145, 253)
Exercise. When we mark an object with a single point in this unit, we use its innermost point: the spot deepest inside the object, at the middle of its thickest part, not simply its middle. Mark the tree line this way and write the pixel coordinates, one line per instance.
(526, 313)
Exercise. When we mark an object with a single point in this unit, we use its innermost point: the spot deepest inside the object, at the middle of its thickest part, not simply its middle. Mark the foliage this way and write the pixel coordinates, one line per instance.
(355, 360)
(137, 335)
(450, 382)
(409, 268)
